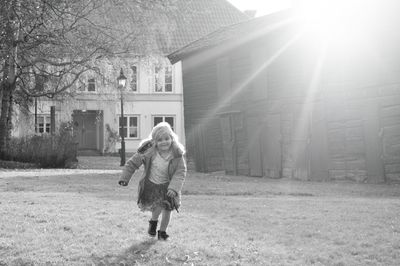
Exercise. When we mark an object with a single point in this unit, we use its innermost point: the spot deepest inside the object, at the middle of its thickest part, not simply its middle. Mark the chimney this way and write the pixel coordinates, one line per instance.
(250, 13)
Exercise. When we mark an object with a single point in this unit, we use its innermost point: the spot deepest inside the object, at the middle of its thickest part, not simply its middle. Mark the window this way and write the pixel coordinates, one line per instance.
(43, 124)
(130, 127)
(168, 79)
(161, 118)
(91, 85)
(163, 79)
(134, 78)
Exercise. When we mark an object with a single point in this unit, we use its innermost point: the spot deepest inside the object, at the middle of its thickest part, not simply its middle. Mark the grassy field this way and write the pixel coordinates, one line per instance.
(82, 217)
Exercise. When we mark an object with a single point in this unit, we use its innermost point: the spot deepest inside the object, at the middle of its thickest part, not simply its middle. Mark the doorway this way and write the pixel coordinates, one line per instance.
(87, 129)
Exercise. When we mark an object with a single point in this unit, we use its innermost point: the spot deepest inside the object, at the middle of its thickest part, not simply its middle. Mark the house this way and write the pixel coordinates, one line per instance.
(153, 92)
(274, 97)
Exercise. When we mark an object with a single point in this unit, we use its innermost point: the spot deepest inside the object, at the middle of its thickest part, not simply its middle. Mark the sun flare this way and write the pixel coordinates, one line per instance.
(341, 22)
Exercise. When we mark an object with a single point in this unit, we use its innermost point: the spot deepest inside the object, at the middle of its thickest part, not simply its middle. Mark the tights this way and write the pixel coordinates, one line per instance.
(166, 216)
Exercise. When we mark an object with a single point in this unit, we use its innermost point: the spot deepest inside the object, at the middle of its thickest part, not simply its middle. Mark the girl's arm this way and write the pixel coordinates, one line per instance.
(130, 167)
(179, 176)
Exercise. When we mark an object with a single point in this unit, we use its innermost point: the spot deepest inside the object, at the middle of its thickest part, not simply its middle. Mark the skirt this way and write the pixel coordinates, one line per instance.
(153, 196)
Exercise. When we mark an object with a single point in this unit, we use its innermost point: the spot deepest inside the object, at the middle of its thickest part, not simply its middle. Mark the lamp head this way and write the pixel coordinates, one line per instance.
(121, 79)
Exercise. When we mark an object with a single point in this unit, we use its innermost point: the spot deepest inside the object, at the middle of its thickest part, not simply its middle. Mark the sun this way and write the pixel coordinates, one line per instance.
(339, 22)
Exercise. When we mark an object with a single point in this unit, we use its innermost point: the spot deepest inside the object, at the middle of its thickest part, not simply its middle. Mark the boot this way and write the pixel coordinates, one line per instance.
(162, 235)
(152, 228)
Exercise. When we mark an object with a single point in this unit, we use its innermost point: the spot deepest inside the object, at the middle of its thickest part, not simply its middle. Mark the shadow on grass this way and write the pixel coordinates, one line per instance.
(137, 253)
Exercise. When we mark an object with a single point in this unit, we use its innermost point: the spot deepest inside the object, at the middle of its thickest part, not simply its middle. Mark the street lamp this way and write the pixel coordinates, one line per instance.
(121, 85)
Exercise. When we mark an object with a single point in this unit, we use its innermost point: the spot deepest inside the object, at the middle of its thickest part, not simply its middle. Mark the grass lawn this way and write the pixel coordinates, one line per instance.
(85, 218)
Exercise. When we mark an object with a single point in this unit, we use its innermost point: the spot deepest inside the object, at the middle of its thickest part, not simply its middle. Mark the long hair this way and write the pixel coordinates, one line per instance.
(161, 129)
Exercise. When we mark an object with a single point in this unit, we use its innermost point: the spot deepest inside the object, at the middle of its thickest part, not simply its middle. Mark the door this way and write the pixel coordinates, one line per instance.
(272, 146)
(390, 138)
(298, 155)
(228, 144)
(254, 142)
(85, 129)
(199, 151)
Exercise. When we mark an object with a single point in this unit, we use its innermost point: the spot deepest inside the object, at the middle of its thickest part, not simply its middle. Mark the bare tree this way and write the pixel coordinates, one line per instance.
(46, 45)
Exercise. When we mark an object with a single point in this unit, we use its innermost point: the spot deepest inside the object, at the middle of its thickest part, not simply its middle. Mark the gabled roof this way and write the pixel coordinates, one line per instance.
(241, 32)
(144, 28)
(197, 18)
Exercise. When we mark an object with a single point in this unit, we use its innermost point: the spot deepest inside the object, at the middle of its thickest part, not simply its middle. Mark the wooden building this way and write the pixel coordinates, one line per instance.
(274, 97)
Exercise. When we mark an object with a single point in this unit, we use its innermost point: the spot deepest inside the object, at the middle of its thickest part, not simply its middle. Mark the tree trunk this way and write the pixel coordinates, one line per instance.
(9, 117)
(1, 95)
(9, 78)
(5, 120)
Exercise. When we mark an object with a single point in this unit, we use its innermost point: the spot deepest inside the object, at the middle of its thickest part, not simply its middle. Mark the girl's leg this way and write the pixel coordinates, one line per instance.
(153, 222)
(166, 217)
(155, 214)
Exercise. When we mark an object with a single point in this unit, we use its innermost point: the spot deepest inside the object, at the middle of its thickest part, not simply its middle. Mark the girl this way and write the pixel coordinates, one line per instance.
(163, 177)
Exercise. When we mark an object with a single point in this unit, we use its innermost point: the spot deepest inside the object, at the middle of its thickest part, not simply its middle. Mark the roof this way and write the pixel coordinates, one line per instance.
(143, 27)
(242, 31)
(197, 18)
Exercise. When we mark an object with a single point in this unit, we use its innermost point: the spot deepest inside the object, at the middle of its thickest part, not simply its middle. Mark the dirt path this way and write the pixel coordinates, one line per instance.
(53, 172)
(87, 165)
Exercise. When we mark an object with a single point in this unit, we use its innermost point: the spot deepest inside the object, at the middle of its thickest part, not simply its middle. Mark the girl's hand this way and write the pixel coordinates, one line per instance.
(122, 183)
(171, 193)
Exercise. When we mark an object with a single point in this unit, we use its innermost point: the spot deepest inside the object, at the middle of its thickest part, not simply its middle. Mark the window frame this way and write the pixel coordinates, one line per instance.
(163, 77)
(132, 75)
(91, 83)
(163, 120)
(46, 126)
(128, 126)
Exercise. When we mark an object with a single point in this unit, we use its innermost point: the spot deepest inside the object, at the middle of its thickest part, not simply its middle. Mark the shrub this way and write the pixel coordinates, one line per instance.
(112, 138)
(45, 150)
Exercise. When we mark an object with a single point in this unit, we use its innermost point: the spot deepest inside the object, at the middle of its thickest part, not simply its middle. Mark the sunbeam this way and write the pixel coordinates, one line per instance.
(222, 102)
(302, 125)
(217, 50)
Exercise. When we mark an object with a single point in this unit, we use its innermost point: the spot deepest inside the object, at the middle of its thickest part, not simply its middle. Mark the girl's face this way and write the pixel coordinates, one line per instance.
(163, 143)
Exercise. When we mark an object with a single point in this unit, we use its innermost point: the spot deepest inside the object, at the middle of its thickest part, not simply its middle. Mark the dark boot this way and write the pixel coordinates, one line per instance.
(162, 235)
(152, 228)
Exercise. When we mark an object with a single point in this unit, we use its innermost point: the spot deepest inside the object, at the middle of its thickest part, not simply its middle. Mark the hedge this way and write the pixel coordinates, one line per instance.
(45, 150)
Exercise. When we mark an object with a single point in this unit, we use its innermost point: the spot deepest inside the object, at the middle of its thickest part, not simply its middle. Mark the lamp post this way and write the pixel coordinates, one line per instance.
(121, 85)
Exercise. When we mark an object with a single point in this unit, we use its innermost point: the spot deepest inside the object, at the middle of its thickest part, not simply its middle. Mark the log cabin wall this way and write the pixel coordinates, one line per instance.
(389, 132)
(203, 135)
(239, 68)
(342, 126)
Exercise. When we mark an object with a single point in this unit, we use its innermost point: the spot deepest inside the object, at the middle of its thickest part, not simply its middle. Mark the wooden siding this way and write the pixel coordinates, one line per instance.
(203, 136)
(346, 142)
(296, 119)
(241, 71)
(234, 74)
(390, 134)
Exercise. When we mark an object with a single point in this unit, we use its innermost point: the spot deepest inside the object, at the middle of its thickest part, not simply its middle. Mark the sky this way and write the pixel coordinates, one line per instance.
(263, 7)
